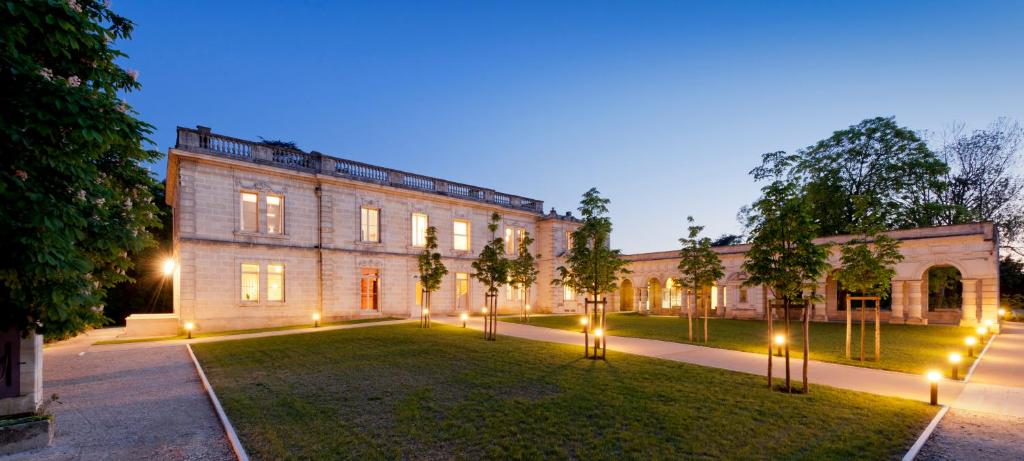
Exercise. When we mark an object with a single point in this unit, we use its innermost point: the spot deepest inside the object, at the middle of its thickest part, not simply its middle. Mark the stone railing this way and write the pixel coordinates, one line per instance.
(202, 140)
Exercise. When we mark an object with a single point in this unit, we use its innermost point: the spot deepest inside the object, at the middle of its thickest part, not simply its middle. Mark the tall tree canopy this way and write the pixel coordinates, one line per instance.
(592, 266)
(888, 166)
(76, 197)
(869, 259)
(699, 267)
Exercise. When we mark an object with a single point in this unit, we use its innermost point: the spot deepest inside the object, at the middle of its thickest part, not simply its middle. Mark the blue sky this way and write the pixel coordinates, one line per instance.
(663, 106)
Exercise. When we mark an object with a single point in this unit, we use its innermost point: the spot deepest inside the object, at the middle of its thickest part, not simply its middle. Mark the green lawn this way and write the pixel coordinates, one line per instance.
(906, 348)
(241, 332)
(400, 392)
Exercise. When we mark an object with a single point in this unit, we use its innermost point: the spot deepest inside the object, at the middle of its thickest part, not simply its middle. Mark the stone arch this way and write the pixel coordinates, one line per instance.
(922, 270)
(942, 293)
(626, 295)
(653, 294)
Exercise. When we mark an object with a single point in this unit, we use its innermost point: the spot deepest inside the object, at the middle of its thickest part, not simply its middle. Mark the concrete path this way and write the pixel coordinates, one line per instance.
(127, 404)
(986, 419)
(842, 376)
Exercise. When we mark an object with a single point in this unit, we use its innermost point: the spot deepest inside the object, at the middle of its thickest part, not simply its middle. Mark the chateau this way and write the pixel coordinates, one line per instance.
(266, 235)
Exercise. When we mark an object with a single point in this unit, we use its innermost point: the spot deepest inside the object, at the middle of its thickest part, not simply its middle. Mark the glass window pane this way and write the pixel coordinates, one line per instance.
(370, 224)
(250, 282)
(419, 229)
(249, 212)
(275, 214)
(275, 282)
(510, 243)
(567, 294)
(460, 240)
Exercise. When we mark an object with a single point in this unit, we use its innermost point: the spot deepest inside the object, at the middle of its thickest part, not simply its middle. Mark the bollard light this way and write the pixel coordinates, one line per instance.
(954, 360)
(168, 266)
(583, 324)
(982, 332)
(1002, 313)
(970, 341)
(464, 317)
(933, 378)
(598, 332)
(483, 310)
(527, 307)
(316, 319)
(426, 311)
(188, 328)
(780, 340)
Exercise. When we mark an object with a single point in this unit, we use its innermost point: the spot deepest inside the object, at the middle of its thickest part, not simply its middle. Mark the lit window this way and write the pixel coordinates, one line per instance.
(460, 240)
(275, 282)
(509, 290)
(419, 293)
(461, 290)
(714, 295)
(725, 296)
(743, 295)
(369, 290)
(568, 240)
(419, 229)
(510, 244)
(370, 224)
(568, 294)
(250, 283)
(249, 212)
(275, 214)
(520, 235)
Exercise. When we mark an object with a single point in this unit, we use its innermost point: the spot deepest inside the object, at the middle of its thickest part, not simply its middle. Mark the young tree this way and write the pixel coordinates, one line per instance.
(783, 256)
(76, 195)
(592, 266)
(523, 270)
(700, 267)
(491, 269)
(432, 272)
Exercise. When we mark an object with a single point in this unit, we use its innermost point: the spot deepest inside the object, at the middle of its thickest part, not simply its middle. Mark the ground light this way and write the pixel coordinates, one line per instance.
(168, 266)
(316, 319)
(464, 317)
(189, 326)
(1002, 314)
(583, 323)
(933, 378)
(970, 341)
(780, 340)
(598, 332)
(954, 360)
(982, 332)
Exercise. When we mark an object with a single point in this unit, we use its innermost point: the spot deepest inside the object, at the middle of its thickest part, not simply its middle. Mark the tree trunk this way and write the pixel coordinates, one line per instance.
(689, 311)
(586, 330)
(706, 320)
(807, 343)
(604, 326)
(862, 315)
(785, 308)
(878, 332)
(771, 334)
(849, 326)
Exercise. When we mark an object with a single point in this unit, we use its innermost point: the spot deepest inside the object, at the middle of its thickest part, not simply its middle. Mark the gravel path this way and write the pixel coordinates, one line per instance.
(142, 404)
(975, 436)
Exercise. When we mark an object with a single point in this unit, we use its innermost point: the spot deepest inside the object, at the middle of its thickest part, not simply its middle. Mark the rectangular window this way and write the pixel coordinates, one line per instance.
(251, 283)
(419, 293)
(520, 235)
(743, 295)
(275, 282)
(275, 214)
(568, 240)
(370, 224)
(419, 229)
(510, 244)
(568, 294)
(725, 296)
(460, 231)
(369, 290)
(249, 212)
(461, 290)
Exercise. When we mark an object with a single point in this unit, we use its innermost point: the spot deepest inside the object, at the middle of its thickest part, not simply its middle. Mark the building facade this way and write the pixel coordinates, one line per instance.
(949, 275)
(267, 236)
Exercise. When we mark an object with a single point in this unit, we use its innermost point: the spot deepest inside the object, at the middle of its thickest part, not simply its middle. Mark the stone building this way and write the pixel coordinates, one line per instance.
(949, 275)
(266, 236)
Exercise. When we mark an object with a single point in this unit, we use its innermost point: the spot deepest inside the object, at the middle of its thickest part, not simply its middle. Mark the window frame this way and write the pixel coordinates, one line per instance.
(468, 235)
(242, 285)
(255, 212)
(279, 217)
(270, 273)
(364, 227)
(426, 224)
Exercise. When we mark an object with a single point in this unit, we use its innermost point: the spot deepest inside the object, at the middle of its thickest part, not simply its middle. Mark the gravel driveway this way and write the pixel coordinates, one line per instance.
(145, 403)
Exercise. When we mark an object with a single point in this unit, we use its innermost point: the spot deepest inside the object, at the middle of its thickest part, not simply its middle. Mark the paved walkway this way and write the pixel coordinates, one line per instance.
(127, 404)
(842, 376)
(985, 421)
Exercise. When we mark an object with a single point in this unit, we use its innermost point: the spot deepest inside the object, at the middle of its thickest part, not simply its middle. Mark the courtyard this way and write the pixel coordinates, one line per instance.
(441, 393)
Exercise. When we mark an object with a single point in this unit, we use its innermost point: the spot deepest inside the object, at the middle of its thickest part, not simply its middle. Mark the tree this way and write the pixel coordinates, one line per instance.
(890, 167)
(727, 240)
(491, 269)
(76, 196)
(782, 255)
(592, 266)
(700, 267)
(868, 261)
(1011, 283)
(432, 271)
(523, 270)
(985, 181)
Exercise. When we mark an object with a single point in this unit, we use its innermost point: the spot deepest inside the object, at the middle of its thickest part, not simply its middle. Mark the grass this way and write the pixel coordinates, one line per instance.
(401, 392)
(905, 348)
(240, 332)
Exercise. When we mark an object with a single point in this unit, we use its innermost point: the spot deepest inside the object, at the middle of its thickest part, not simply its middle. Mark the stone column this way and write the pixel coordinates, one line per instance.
(821, 307)
(897, 302)
(969, 306)
(914, 314)
(989, 289)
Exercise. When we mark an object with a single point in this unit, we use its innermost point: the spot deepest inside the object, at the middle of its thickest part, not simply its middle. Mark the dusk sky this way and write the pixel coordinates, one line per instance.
(663, 106)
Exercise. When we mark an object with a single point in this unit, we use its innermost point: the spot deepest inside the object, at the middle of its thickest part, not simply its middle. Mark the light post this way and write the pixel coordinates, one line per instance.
(933, 378)
(970, 341)
(780, 340)
(464, 317)
(425, 318)
(188, 328)
(316, 320)
(586, 337)
(954, 360)
(982, 333)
